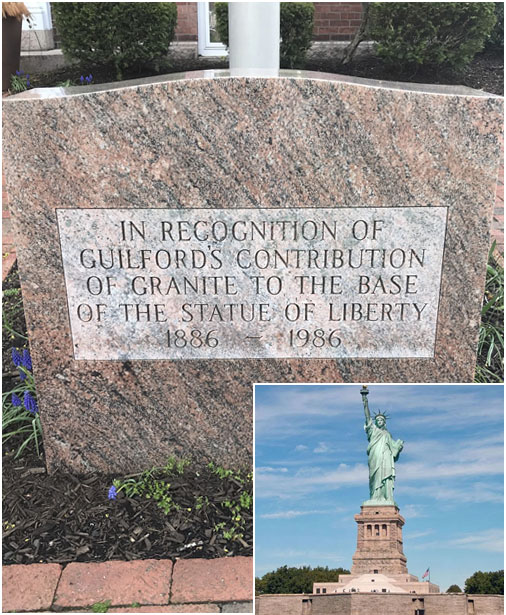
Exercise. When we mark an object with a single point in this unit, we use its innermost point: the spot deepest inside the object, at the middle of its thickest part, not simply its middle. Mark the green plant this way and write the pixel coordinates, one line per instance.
(152, 484)
(234, 509)
(296, 25)
(101, 607)
(296, 29)
(201, 502)
(149, 487)
(496, 39)
(490, 364)
(20, 413)
(20, 82)
(410, 35)
(122, 35)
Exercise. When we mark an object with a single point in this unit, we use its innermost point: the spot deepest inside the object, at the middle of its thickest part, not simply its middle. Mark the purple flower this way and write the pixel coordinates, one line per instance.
(89, 78)
(26, 359)
(22, 374)
(16, 357)
(112, 493)
(81, 79)
(16, 401)
(19, 73)
(30, 403)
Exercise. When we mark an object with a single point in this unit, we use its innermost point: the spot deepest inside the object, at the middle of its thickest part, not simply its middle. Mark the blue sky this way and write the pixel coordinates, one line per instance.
(311, 475)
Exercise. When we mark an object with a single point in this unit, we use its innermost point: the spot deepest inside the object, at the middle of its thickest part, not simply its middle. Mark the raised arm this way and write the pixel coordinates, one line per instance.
(364, 392)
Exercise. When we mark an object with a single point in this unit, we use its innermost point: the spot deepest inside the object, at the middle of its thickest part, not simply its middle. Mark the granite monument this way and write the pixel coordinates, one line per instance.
(182, 237)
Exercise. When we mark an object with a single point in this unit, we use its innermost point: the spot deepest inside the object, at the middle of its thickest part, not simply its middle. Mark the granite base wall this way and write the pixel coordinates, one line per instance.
(281, 604)
(391, 604)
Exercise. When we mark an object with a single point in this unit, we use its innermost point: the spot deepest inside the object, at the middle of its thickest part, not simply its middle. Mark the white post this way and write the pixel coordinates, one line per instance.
(253, 38)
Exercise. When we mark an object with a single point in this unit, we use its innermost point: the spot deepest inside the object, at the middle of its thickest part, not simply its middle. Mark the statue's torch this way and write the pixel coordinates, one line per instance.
(365, 392)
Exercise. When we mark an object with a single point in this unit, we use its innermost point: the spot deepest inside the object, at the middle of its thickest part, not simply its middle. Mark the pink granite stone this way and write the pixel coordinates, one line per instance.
(207, 140)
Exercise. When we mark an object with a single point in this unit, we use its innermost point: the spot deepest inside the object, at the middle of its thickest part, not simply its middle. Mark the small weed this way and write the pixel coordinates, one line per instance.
(101, 607)
(152, 484)
(225, 474)
(135, 605)
(201, 501)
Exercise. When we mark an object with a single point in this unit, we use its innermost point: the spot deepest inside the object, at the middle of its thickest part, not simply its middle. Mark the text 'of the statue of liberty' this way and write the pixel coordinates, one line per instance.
(382, 454)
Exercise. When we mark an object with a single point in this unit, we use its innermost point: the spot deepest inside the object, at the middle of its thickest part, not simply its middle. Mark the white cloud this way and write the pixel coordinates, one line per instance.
(292, 514)
(321, 448)
(485, 540)
(420, 534)
(412, 511)
(301, 447)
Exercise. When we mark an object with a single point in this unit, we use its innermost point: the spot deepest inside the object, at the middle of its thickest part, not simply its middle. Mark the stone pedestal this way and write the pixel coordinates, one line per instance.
(379, 541)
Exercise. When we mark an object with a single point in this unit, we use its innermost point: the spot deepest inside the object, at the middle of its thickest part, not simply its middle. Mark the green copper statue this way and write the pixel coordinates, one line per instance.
(382, 452)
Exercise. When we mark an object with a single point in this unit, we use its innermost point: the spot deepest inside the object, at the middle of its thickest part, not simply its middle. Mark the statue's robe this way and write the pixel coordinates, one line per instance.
(382, 453)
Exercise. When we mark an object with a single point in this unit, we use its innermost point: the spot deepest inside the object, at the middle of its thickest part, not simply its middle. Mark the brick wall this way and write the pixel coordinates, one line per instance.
(336, 21)
(187, 26)
(333, 21)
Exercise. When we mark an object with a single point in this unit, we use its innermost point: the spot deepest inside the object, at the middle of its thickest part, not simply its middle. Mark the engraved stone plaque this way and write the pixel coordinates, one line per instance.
(252, 283)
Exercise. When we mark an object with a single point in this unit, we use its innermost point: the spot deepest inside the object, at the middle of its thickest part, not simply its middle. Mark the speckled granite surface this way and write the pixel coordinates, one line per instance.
(301, 140)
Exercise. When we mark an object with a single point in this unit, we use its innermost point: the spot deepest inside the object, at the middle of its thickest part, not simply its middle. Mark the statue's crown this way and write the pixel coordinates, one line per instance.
(379, 413)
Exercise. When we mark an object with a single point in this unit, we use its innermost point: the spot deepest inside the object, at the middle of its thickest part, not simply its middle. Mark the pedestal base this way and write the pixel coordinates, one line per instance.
(379, 541)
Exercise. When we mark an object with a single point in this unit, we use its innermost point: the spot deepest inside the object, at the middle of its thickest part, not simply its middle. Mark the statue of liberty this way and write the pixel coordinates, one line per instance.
(382, 452)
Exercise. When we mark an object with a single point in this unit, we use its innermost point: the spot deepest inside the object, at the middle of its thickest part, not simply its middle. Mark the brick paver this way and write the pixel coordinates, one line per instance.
(200, 580)
(176, 608)
(142, 581)
(237, 607)
(29, 587)
(198, 586)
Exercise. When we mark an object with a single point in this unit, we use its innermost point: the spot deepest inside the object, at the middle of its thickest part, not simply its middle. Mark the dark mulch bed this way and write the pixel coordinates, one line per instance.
(65, 518)
(486, 72)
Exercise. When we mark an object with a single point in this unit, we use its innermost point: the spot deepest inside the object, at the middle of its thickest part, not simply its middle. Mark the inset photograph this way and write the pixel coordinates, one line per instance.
(385, 498)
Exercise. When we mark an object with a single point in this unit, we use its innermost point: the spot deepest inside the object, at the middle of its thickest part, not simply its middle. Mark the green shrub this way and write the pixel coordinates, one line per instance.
(296, 29)
(221, 11)
(496, 39)
(122, 35)
(423, 34)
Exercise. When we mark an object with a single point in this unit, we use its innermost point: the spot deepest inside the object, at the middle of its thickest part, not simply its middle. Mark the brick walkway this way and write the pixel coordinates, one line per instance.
(143, 586)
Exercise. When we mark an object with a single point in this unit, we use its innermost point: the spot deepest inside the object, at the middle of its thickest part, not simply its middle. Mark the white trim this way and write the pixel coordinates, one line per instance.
(205, 47)
(40, 16)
